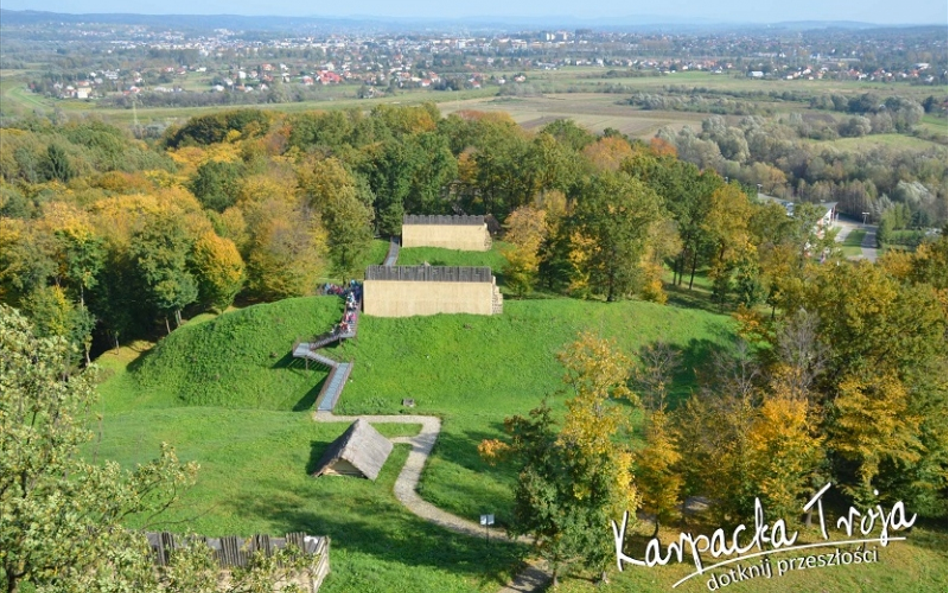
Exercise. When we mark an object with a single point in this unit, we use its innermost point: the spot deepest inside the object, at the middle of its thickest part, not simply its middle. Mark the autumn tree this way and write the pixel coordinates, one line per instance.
(880, 380)
(607, 153)
(657, 473)
(713, 430)
(570, 134)
(216, 184)
(287, 250)
(575, 477)
(78, 250)
(218, 269)
(610, 228)
(26, 261)
(55, 314)
(656, 470)
(159, 252)
(56, 166)
(64, 524)
(785, 449)
(526, 230)
(333, 193)
(61, 515)
(686, 193)
(726, 228)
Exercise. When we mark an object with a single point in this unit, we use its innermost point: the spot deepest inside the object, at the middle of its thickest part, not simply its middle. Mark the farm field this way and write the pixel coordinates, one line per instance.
(865, 143)
(590, 110)
(571, 92)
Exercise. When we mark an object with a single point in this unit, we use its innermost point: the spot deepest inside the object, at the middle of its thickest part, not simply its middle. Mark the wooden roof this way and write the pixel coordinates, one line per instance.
(430, 273)
(439, 219)
(361, 446)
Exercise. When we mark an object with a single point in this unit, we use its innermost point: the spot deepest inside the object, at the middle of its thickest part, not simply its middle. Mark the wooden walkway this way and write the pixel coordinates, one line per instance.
(338, 371)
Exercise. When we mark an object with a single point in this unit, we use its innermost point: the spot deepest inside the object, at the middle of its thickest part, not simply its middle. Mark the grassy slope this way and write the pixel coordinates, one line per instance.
(254, 479)
(435, 256)
(238, 360)
(472, 371)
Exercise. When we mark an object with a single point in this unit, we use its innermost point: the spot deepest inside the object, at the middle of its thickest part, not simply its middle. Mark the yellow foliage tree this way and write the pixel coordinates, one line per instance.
(657, 477)
(608, 153)
(873, 422)
(287, 252)
(572, 481)
(785, 452)
(526, 231)
(726, 225)
(218, 268)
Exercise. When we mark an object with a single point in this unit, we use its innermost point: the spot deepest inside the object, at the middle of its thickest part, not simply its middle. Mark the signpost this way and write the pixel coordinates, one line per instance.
(487, 521)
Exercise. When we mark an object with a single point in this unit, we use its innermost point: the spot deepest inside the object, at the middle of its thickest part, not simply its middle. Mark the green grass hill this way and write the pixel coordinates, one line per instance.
(227, 393)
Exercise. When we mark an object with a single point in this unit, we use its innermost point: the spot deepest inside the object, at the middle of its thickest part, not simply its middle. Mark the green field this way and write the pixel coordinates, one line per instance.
(871, 141)
(435, 256)
(216, 390)
(254, 479)
(256, 451)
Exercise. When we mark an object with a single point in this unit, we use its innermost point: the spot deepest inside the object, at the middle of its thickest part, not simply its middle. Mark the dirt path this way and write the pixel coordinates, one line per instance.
(532, 579)
(407, 482)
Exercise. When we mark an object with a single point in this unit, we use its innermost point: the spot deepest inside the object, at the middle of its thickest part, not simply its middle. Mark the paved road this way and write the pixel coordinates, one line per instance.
(868, 241)
(869, 250)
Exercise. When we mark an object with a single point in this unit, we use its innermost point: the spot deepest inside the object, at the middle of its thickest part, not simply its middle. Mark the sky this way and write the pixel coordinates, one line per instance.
(894, 12)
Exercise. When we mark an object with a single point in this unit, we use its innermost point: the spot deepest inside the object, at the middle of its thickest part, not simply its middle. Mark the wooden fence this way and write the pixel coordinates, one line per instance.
(233, 551)
(430, 273)
(463, 220)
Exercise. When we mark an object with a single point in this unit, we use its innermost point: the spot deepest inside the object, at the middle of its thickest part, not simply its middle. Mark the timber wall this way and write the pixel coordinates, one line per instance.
(403, 291)
(465, 233)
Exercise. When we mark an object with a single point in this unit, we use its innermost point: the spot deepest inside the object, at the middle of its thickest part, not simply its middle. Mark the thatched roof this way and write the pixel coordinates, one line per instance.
(361, 450)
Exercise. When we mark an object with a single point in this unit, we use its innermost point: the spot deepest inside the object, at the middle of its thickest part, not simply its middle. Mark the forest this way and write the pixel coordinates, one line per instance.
(842, 373)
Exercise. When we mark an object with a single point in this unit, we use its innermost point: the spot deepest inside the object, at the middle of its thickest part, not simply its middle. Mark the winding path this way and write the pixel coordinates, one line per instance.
(407, 482)
(533, 578)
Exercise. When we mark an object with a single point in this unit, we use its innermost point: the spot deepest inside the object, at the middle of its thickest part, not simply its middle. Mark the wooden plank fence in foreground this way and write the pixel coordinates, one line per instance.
(232, 551)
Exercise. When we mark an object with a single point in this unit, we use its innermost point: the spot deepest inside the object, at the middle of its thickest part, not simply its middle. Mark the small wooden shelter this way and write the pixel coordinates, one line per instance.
(361, 451)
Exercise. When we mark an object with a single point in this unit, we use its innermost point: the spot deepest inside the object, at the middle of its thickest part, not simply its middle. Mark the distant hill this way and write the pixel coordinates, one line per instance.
(391, 24)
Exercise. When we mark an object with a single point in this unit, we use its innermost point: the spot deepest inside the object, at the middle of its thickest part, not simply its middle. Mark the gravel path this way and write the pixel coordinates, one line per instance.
(407, 482)
(530, 580)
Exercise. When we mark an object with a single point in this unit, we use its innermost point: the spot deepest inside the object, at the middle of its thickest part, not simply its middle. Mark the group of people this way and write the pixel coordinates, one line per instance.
(353, 296)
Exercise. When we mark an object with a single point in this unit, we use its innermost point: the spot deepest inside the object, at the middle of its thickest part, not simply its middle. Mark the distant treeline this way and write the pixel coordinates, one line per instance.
(296, 93)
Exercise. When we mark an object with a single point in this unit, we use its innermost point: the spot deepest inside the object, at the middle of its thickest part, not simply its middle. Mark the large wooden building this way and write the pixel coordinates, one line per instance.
(404, 291)
(465, 233)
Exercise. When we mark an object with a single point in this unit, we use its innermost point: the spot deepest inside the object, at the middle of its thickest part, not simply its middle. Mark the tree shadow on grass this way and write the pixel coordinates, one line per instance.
(460, 449)
(693, 358)
(308, 401)
(316, 450)
(365, 518)
(681, 296)
(933, 536)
